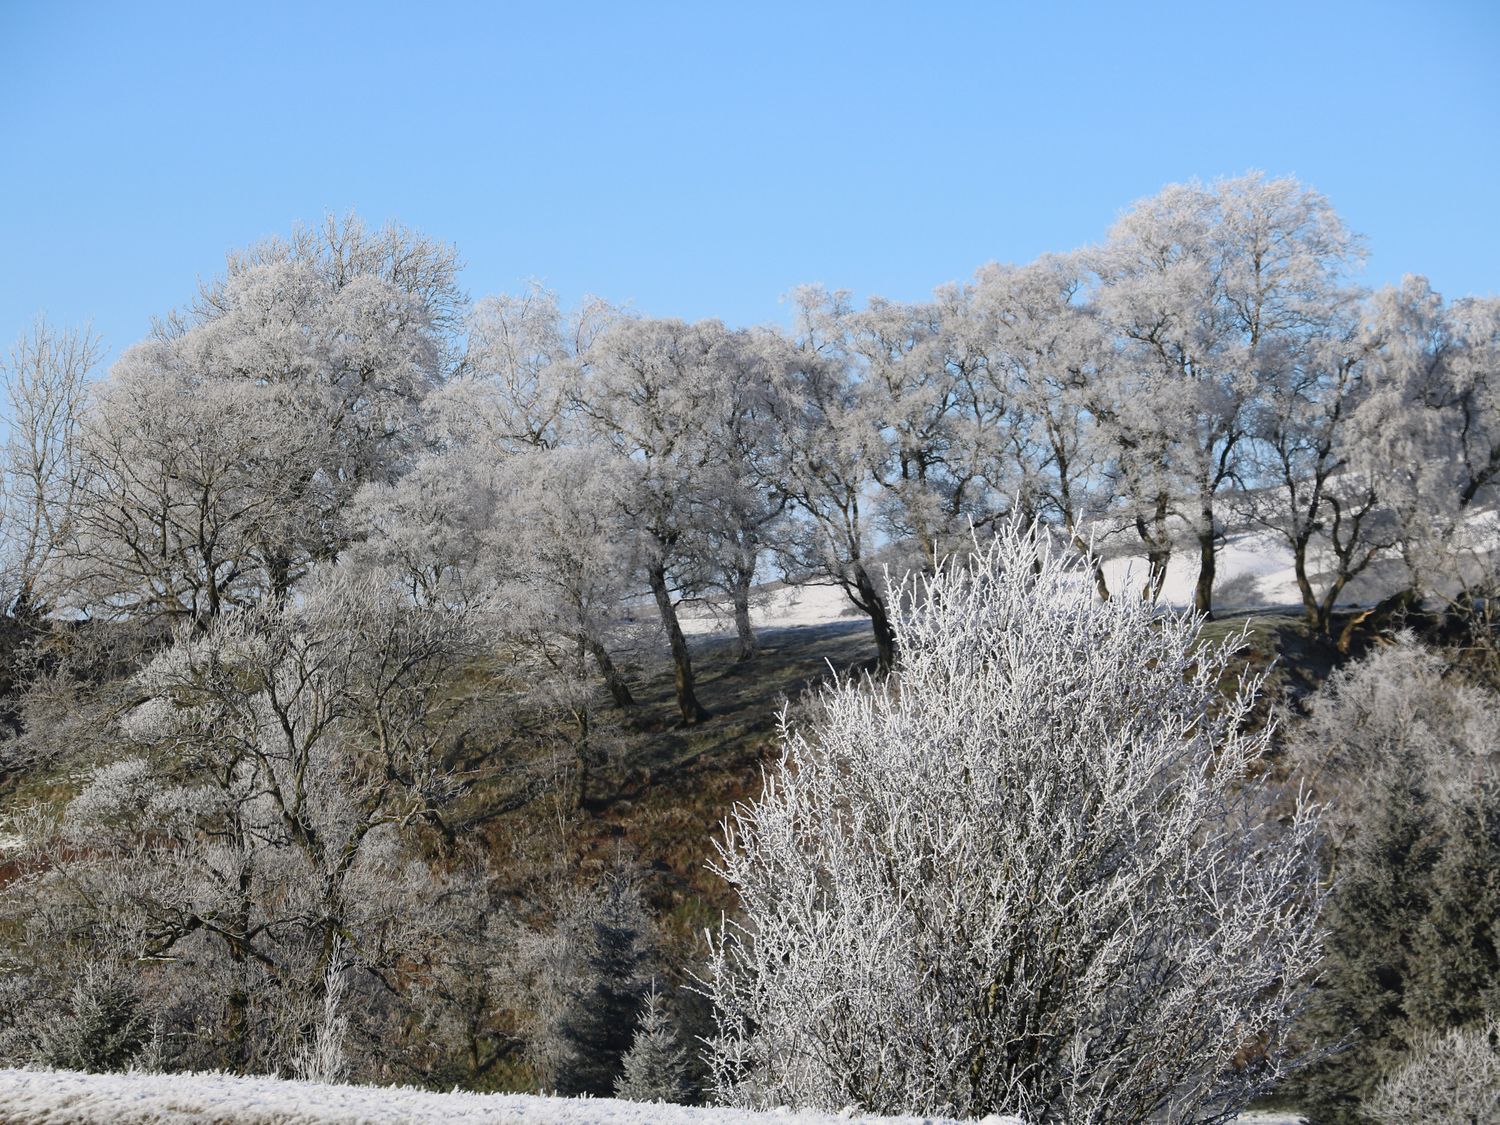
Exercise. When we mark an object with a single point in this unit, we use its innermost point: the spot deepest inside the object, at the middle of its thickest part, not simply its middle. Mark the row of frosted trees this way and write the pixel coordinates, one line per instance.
(1210, 366)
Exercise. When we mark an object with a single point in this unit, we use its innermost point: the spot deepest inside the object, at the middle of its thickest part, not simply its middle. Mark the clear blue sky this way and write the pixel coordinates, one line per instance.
(699, 159)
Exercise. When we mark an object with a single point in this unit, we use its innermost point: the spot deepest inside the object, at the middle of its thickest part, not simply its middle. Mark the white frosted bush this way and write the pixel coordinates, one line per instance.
(1029, 874)
(1451, 1079)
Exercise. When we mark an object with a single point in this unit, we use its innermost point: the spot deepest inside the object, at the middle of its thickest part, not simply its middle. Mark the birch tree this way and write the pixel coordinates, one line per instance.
(656, 396)
(1430, 432)
(1206, 286)
(46, 382)
(827, 445)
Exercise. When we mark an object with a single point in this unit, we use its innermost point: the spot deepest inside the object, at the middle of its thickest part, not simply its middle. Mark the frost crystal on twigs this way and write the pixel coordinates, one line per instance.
(1031, 873)
(1447, 1078)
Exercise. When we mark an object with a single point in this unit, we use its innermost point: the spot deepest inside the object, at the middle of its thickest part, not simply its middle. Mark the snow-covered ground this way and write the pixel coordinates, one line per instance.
(777, 606)
(39, 1097)
(1254, 572)
(52, 1097)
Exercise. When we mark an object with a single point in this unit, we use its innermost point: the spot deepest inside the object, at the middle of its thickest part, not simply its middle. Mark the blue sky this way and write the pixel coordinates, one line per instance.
(701, 159)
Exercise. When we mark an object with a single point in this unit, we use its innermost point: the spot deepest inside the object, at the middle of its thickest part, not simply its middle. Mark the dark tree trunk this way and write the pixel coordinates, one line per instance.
(692, 711)
(880, 620)
(1158, 548)
(619, 690)
(1208, 557)
(1310, 608)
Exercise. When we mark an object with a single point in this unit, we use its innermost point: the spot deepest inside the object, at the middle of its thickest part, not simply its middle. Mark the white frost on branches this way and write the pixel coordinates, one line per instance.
(1031, 875)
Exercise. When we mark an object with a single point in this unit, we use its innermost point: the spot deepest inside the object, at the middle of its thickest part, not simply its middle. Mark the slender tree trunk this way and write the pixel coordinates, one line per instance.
(280, 568)
(880, 620)
(1158, 549)
(1208, 558)
(692, 711)
(1323, 613)
(583, 753)
(1096, 564)
(745, 643)
(619, 690)
(1310, 607)
(237, 1040)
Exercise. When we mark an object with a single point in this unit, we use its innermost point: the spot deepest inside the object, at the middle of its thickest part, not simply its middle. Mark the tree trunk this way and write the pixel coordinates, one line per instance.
(1323, 614)
(692, 711)
(1208, 558)
(1158, 549)
(745, 643)
(1099, 583)
(880, 620)
(1304, 584)
(619, 690)
(1096, 564)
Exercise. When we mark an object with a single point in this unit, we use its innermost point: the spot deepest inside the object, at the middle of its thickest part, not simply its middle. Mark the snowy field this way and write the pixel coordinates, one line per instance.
(39, 1097)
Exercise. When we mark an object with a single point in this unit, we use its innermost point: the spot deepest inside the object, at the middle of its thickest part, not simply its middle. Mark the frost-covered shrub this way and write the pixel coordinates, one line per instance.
(1402, 701)
(1451, 1079)
(103, 1026)
(1030, 874)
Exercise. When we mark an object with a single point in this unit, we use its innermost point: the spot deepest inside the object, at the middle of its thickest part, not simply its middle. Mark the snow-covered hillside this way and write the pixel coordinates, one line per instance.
(1254, 572)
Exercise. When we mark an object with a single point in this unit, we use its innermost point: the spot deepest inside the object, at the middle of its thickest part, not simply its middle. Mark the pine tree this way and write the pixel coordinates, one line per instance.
(599, 1021)
(104, 1026)
(656, 1066)
(1456, 948)
(1378, 903)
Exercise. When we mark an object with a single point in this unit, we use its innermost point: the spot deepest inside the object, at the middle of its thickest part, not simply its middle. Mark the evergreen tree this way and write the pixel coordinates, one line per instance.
(1412, 947)
(103, 1027)
(656, 1067)
(598, 1023)
(1456, 948)
(1379, 900)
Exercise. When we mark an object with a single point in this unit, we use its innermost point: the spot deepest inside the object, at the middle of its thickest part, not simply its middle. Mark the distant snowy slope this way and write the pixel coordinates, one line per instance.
(39, 1097)
(1254, 572)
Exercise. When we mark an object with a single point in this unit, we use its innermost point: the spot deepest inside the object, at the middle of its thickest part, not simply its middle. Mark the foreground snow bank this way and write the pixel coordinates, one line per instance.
(53, 1097)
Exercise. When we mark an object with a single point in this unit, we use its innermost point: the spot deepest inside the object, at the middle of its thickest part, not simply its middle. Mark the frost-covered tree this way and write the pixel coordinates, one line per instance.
(1409, 757)
(928, 418)
(103, 1026)
(656, 1068)
(191, 492)
(262, 804)
(828, 463)
(1205, 287)
(562, 570)
(1430, 434)
(46, 379)
(659, 396)
(221, 453)
(1312, 485)
(1044, 359)
(744, 517)
(1031, 874)
(520, 373)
